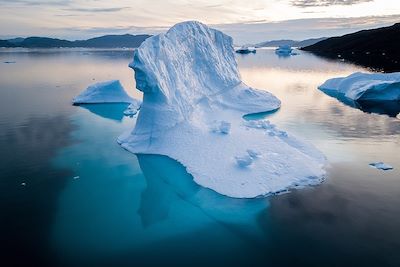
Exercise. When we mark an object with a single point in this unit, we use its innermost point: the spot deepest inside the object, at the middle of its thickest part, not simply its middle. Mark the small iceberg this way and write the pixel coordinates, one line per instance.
(284, 50)
(246, 50)
(192, 111)
(360, 86)
(381, 166)
(103, 92)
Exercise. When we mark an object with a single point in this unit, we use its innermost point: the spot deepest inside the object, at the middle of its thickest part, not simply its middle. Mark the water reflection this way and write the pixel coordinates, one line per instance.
(390, 108)
(240, 215)
(124, 211)
(112, 111)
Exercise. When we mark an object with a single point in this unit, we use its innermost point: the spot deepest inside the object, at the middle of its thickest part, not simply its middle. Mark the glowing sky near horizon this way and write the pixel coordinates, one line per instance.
(245, 20)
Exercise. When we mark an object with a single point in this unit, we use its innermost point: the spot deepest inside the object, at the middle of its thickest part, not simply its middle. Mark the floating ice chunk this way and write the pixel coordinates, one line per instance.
(133, 108)
(244, 161)
(221, 127)
(23, 184)
(246, 50)
(191, 84)
(103, 92)
(284, 50)
(76, 177)
(365, 86)
(381, 166)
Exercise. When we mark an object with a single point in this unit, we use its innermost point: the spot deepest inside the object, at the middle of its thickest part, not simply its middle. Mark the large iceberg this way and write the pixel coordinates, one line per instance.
(104, 92)
(365, 87)
(192, 111)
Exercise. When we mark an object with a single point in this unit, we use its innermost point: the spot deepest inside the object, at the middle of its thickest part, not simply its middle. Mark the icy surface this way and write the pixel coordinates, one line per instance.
(381, 166)
(103, 92)
(365, 86)
(192, 111)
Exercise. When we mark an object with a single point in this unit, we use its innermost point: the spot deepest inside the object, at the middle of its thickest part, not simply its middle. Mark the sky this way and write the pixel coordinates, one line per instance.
(246, 21)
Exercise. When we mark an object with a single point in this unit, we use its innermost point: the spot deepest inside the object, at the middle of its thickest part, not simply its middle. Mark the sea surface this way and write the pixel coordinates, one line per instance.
(71, 196)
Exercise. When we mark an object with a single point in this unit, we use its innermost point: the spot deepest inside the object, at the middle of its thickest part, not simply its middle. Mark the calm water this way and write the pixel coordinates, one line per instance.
(70, 196)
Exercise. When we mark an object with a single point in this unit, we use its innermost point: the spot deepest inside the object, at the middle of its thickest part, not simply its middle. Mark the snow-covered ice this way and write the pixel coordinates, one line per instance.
(192, 111)
(246, 50)
(103, 92)
(381, 166)
(365, 86)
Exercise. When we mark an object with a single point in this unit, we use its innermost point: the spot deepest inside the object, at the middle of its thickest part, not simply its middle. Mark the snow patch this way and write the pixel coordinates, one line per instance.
(192, 90)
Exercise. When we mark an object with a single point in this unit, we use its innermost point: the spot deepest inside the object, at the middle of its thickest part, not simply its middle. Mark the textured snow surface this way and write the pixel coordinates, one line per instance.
(192, 111)
(104, 92)
(365, 86)
(381, 166)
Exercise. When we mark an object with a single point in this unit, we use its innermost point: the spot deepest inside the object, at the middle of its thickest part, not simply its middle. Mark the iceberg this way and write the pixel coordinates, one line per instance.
(246, 50)
(365, 87)
(103, 92)
(192, 111)
(284, 50)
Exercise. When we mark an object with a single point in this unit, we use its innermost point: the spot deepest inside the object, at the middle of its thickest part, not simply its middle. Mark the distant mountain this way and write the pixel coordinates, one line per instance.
(110, 41)
(376, 48)
(293, 43)
(44, 42)
(5, 43)
(16, 40)
(107, 41)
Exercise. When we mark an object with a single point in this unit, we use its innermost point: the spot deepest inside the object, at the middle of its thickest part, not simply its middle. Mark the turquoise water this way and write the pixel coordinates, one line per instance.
(88, 202)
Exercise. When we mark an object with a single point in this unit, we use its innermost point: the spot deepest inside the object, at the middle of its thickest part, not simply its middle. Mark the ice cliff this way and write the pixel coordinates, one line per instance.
(365, 86)
(192, 111)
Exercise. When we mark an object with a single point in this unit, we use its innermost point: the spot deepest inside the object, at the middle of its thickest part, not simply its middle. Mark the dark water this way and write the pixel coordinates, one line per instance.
(70, 196)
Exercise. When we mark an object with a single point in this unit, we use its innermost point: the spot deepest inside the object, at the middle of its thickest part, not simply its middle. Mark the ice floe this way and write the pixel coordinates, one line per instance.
(103, 92)
(192, 111)
(365, 86)
(381, 166)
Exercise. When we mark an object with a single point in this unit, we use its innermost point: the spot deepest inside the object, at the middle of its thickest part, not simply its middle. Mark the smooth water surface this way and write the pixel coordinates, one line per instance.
(70, 196)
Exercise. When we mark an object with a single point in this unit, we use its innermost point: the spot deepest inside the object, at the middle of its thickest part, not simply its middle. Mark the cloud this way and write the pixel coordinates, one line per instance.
(36, 2)
(317, 3)
(299, 29)
(96, 9)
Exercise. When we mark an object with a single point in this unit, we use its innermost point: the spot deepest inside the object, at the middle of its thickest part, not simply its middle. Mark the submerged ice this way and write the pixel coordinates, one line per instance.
(192, 111)
(365, 86)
